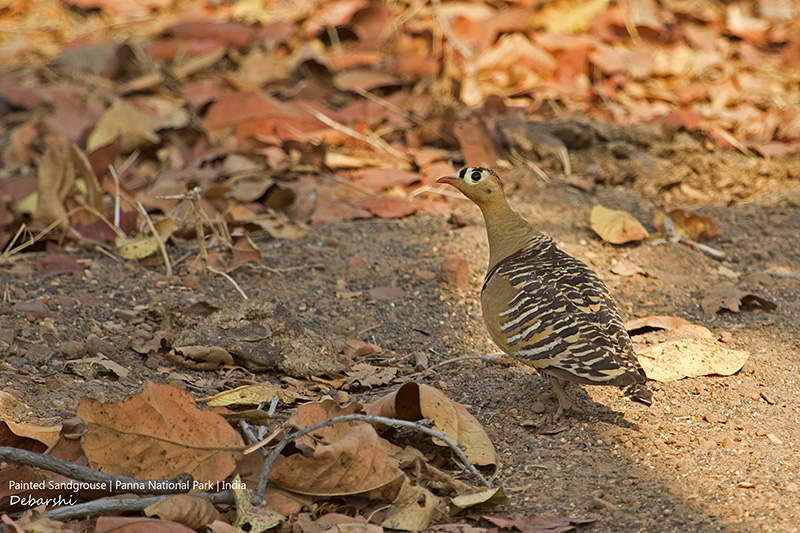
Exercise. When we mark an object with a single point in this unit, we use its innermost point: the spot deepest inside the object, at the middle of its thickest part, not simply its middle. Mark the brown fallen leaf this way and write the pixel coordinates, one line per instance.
(109, 524)
(413, 401)
(313, 413)
(330, 522)
(369, 376)
(414, 508)
(727, 297)
(696, 227)
(28, 436)
(357, 463)
(656, 322)
(243, 251)
(159, 433)
(623, 267)
(616, 226)
(538, 523)
(200, 357)
(690, 351)
(252, 395)
(192, 511)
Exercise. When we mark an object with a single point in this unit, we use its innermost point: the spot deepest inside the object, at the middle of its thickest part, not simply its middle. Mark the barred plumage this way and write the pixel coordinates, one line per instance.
(546, 308)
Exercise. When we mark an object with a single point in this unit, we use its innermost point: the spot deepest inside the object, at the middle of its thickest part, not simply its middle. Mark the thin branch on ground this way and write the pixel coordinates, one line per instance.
(82, 473)
(376, 141)
(157, 237)
(289, 438)
(122, 505)
(229, 278)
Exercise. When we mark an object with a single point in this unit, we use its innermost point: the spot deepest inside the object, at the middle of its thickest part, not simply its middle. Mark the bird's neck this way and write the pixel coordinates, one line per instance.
(506, 230)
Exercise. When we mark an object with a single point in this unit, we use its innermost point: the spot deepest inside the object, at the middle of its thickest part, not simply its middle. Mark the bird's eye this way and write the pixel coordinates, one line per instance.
(475, 177)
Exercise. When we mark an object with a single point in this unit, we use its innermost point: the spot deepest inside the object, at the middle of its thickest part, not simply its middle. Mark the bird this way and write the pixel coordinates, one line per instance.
(543, 307)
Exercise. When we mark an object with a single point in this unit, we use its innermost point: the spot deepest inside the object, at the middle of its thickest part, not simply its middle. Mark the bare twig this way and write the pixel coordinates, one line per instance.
(111, 482)
(375, 141)
(126, 505)
(233, 281)
(289, 438)
(157, 237)
(200, 232)
(465, 52)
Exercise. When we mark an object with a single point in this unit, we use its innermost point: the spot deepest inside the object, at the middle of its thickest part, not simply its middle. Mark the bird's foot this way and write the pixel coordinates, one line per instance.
(565, 405)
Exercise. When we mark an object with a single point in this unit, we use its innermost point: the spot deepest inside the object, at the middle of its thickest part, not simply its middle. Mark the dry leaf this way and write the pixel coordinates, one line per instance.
(656, 322)
(414, 401)
(692, 352)
(726, 296)
(485, 498)
(370, 376)
(252, 395)
(695, 227)
(158, 433)
(192, 511)
(200, 357)
(539, 524)
(414, 509)
(616, 226)
(248, 516)
(624, 267)
(136, 524)
(355, 464)
(27, 436)
(313, 413)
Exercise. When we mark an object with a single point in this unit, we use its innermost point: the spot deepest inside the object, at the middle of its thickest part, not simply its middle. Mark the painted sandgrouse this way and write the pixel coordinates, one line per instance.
(544, 307)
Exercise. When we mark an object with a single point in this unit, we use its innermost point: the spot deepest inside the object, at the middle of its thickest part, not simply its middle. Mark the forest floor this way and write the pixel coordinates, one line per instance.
(711, 453)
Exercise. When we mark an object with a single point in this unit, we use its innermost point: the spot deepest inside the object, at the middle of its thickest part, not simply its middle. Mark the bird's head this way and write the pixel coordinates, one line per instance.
(481, 185)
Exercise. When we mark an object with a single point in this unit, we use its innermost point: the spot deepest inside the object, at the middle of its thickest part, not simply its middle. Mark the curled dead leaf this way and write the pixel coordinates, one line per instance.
(616, 226)
(413, 401)
(192, 511)
(357, 463)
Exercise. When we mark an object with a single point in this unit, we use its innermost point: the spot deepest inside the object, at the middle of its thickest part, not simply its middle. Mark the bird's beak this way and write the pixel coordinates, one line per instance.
(447, 179)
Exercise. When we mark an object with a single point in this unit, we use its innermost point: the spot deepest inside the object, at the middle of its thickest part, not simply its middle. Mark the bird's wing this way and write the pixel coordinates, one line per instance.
(550, 310)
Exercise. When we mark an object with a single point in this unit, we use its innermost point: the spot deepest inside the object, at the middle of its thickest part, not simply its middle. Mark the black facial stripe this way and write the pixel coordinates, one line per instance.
(462, 173)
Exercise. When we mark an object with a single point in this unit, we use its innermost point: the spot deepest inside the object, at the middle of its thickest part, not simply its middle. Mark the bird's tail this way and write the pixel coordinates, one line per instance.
(638, 392)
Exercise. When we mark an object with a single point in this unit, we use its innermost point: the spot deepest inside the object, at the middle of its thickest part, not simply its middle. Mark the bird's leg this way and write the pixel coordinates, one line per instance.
(565, 405)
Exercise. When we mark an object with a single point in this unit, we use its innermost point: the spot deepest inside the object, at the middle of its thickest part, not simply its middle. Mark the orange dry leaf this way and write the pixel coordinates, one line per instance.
(696, 227)
(159, 433)
(616, 226)
(415, 401)
(358, 462)
(28, 436)
(186, 509)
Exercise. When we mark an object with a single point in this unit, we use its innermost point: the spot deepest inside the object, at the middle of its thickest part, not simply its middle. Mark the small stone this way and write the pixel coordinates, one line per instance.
(773, 438)
(7, 335)
(728, 442)
(333, 312)
(725, 336)
(791, 487)
(513, 411)
(424, 275)
(421, 361)
(341, 397)
(356, 261)
(455, 272)
(129, 315)
(538, 407)
(767, 398)
(713, 418)
(706, 446)
(95, 345)
(73, 349)
(386, 293)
